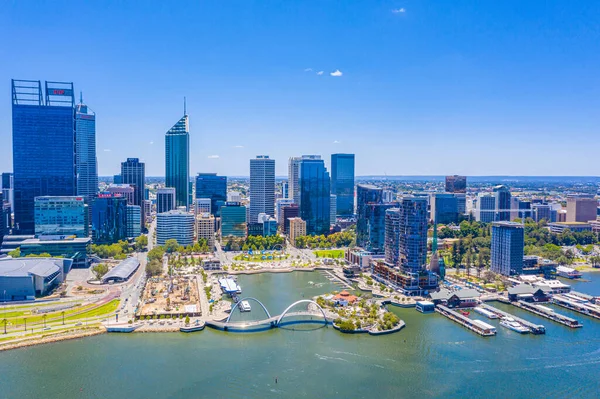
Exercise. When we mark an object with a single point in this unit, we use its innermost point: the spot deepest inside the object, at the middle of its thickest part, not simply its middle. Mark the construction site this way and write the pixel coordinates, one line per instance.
(166, 297)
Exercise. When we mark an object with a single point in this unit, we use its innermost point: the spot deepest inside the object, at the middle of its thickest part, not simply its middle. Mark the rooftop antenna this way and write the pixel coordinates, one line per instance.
(184, 107)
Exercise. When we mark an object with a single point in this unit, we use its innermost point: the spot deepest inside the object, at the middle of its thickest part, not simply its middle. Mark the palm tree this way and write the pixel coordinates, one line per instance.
(5, 321)
(25, 321)
(44, 318)
(63, 316)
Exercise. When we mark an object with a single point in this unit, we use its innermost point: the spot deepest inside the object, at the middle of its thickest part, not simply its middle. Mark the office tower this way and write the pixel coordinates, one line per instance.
(542, 212)
(507, 248)
(461, 203)
(8, 188)
(444, 208)
(293, 174)
(269, 226)
(125, 190)
(486, 208)
(388, 196)
(43, 146)
(392, 236)
(285, 190)
(233, 220)
(117, 179)
(205, 226)
(3, 222)
(342, 182)
(234, 196)
(134, 221)
(502, 195)
(190, 192)
(279, 205)
(262, 187)
(374, 222)
(365, 194)
(133, 172)
(332, 209)
(203, 205)
(297, 229)
(61, 216)
(177, 160)
(165, 199)
(456, 184)
(109, 218)
(288, 212)
(175, 225)
(314, 186)
(413, 234)
(85, 139)
(581, 208)
(209, 185)
(147, 208)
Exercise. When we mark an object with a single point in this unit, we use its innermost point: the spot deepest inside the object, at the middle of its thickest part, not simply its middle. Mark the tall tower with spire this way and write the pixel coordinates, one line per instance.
(177, 158)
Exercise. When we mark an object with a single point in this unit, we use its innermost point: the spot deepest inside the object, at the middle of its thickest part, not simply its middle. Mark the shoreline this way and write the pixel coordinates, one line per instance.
(62, 336)
(282, 270)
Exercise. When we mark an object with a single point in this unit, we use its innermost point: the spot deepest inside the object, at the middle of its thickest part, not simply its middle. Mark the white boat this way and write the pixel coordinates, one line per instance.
(511, 324)
(486, 313)
(245, 306)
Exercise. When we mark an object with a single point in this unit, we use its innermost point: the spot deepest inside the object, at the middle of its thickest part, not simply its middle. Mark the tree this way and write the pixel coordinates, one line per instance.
(156, 253)
(15, 253)
(141, 242)
(44, 317)
(187, 320)
(4, 321)
(63, 316)
(154, 268)
(171, 246)
(42, 255)
(100, 270)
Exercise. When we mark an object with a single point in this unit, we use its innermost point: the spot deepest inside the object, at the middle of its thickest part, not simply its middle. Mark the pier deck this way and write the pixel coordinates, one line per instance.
(534, 328)
(465, 321)
(548, 314)
(583, 308)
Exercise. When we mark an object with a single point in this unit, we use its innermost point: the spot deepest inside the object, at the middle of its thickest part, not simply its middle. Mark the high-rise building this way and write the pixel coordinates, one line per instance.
(314, 185)
(177, 160)
(366, 194)
(8, 188)
(342, 182)
(134, 221)
(87, 164)
(288, 212)
(542, 212)
(581, 208)
(486, 208)
(293, 174)
(117, 179)
(175, 225)
(374, 222)
(503, 203)
(507, 248)
(297, 229)
(332, 209)
(3, 223)
(205, 226)
(461, 203)
(444, 208)
(284, 190)
(133, 172)
(456, 184)
(392, 236)
(262, 187)
(413, 234)
(109, 218)
(61, 216)
(43, 146)
(209, 185)
(203, 205)
(233, 220)
(125, 190)
(279, 205)
(165, 199)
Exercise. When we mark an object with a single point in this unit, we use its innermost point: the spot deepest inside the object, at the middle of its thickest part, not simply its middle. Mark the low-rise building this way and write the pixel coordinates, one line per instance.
(559, 227)
(528, 293)
(27, 278)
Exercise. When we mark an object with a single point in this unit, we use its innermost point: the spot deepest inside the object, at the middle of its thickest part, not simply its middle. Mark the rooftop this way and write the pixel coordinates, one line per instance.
(23, 267)
(123, 269)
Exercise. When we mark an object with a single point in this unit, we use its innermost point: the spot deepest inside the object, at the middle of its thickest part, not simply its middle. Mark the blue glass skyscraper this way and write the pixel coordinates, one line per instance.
(209, 185)
(177, 160)
(342, 182)
(133, 172)
(44, 160)
(314, 193)
(85, 139)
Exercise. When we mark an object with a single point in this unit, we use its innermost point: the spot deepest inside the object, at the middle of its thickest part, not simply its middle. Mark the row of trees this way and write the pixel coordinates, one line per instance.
(120, 249)
(335, 240)
(259, 243)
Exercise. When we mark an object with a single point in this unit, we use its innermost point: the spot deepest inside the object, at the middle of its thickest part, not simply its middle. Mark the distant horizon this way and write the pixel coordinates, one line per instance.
(404, 176)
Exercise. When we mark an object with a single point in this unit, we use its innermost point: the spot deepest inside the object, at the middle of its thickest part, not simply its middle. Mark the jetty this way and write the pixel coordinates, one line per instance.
(477, 326)
(534, 328)
(587, 309)
(548, 314)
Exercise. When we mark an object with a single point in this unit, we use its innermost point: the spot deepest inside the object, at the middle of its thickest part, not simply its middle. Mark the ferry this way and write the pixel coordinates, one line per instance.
(245, 306)
(486, 313)
(511, 324)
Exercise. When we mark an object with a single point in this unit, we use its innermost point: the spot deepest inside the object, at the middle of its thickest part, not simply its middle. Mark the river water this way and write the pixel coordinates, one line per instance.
(431, 357)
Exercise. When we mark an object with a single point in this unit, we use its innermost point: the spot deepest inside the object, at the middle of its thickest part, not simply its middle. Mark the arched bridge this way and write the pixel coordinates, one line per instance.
(269, 321)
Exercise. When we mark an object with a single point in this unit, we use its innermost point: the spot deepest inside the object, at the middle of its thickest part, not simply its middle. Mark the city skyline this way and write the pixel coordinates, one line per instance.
(427, 86)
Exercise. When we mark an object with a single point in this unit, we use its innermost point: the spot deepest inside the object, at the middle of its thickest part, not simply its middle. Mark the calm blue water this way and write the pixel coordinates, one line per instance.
(432, 357)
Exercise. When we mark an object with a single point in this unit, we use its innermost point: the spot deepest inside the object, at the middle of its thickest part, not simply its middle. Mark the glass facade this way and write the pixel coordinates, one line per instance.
(444, 208)
(503, 203)
(60, 216)
(209, 185)
(365, 194)
(392, 236)
(85, 139)
(48, 166)
(413, 234)
(342, 182)
(177, 160)
(507, 248)
(262, 187)
(134, 219)
(375, 226)
(109, 219)
(133, 172)
(233, 220)
(314, 186)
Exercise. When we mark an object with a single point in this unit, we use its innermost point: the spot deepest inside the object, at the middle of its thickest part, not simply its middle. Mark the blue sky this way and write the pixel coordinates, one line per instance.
(426, 87)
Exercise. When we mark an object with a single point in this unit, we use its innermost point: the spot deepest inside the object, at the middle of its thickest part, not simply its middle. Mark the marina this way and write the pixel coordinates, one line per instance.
(582, 307)
(512, 324)
(548, 314)
(534, 328)
(486, 313)
(478, 326)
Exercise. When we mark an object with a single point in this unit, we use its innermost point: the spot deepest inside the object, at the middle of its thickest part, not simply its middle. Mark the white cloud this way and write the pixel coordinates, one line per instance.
(106, 150)
(336, 142)
(152, 142)
(213, 157)
(238, 146)
(320, 73)
(399, 10)
(336, 73)
(308, 70)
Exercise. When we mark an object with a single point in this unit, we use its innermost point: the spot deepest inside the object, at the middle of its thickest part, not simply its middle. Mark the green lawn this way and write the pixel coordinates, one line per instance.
(330, 253)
